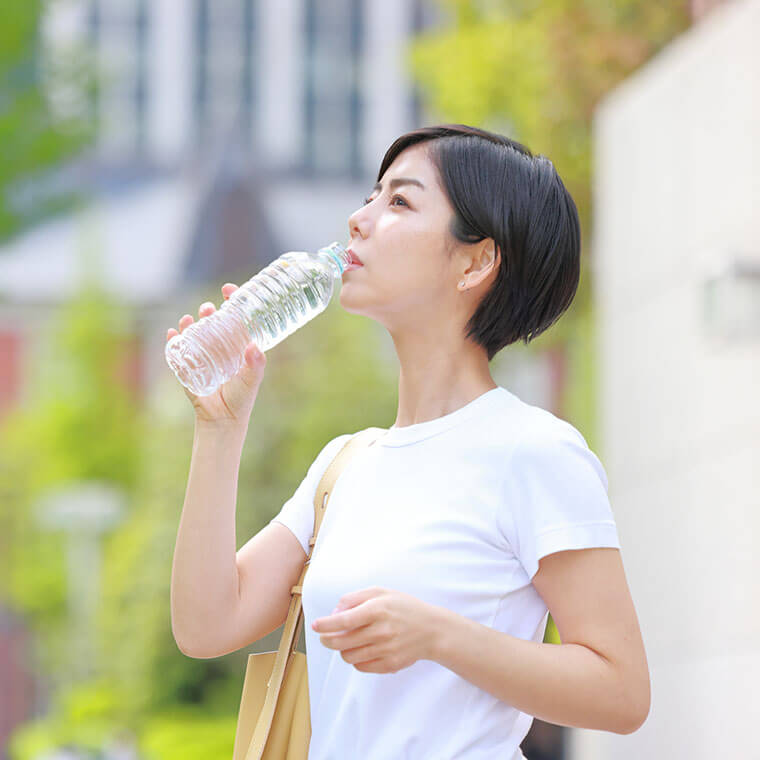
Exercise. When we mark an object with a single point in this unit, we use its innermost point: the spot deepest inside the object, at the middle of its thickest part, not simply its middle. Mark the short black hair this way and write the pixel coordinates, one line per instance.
(500, 190)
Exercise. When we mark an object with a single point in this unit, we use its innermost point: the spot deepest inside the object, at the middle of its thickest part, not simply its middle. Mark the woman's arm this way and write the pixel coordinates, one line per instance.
(598, 678)
(205, 583)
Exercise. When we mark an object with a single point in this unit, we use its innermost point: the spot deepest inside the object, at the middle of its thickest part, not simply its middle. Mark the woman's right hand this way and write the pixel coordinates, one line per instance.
(233, 401)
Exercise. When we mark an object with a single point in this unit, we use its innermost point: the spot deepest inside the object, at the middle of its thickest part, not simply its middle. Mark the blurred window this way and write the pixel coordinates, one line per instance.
(332, 60)
(223, 91)
(118, 30)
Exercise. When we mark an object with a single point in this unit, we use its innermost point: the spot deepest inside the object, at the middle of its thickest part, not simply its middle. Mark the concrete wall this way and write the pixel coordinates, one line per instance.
(677, 193)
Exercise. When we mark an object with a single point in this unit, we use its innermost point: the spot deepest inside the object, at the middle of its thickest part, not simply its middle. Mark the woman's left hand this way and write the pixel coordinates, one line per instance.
(378, 630)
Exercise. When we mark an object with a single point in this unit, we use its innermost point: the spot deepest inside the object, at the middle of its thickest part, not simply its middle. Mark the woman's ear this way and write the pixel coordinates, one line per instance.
(485, 260)
(491, 250)
(497, 255)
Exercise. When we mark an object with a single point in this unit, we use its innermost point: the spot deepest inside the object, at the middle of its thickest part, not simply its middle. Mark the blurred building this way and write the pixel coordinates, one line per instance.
(227, 133)
(677, 261)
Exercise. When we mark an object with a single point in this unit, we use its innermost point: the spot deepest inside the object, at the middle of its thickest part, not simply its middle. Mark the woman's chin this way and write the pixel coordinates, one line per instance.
(349, 303)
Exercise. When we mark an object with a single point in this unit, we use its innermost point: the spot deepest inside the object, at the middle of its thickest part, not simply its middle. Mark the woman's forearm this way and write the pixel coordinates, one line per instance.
(205, 580)
(564, 684)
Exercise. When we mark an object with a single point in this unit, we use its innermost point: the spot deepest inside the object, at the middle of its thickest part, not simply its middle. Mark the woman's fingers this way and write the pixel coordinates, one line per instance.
(206, 308)
(183, 323)
(228, 289)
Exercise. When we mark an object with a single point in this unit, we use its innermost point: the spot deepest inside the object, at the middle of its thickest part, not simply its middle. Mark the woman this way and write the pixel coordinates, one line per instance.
(447, 543)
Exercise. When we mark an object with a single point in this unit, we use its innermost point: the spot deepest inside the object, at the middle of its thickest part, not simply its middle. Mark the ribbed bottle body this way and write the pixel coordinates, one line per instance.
(273, 304)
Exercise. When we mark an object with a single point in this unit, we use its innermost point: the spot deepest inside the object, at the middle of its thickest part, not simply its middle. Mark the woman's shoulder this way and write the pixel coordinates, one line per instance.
(520, 424)
(334, 445)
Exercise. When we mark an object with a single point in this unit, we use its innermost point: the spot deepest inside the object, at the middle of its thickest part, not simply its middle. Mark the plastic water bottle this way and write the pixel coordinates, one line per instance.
(282, 297)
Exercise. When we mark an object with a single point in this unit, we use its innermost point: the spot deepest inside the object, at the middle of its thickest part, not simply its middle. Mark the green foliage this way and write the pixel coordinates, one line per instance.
(536, 71)
(89, 717)
(85, 716)
(78, 423)
(189, 736)
(37, 135)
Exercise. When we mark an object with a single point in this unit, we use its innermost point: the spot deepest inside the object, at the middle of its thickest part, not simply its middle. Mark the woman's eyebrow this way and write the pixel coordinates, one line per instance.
(399, 181)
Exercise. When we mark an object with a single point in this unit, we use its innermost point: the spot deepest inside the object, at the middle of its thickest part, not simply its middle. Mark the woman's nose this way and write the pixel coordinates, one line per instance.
(357, 225)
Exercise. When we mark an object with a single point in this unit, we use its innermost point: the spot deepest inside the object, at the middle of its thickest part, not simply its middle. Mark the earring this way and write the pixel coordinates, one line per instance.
(462, 283)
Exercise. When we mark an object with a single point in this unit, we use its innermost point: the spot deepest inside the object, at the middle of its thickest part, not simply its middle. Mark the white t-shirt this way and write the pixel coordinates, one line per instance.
(456, 511)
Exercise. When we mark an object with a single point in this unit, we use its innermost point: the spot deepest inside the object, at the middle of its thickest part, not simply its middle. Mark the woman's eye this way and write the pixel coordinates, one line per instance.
(369, 200)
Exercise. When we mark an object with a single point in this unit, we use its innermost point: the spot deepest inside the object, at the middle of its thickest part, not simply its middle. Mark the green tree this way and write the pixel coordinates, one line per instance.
(78, 422)
(44, 104)
(537, 69)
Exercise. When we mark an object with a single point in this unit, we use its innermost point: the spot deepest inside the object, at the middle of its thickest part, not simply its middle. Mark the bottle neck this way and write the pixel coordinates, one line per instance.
(336, 256)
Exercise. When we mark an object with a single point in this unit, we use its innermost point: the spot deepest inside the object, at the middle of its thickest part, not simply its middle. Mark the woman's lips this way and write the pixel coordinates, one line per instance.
(355, 261)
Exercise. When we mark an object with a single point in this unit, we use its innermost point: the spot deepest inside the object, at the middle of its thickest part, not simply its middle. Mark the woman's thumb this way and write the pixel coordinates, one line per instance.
(254, 357)
(246, 383)
(252, 371)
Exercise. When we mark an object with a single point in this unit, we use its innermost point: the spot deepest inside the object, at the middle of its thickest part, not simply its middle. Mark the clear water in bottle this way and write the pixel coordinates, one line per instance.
(274, 303)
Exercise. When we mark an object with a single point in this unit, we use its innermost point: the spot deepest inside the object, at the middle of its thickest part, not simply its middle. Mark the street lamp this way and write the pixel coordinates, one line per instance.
(83, 510)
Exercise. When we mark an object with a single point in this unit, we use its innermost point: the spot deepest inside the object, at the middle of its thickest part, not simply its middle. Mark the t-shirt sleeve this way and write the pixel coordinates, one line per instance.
(556, 498)
(297, 513)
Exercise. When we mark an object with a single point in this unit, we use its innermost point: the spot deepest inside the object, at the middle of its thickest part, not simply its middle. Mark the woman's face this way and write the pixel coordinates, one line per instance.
(401, 234)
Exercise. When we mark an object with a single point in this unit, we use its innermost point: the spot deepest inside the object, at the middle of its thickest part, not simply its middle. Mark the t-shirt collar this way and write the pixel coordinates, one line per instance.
(400, 436)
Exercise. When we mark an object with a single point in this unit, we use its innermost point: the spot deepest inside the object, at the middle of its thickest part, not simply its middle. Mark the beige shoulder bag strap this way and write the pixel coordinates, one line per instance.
(291, 631)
